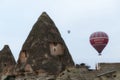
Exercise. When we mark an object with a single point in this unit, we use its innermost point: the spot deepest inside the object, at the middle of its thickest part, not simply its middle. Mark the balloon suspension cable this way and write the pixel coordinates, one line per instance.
(100, 54)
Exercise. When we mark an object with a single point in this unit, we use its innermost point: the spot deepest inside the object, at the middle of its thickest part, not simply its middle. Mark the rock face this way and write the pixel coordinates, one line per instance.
(7, 60)
(44, 50)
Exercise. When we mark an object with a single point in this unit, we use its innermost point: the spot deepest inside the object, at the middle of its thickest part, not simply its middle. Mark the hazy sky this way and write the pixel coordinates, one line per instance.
(82, 17)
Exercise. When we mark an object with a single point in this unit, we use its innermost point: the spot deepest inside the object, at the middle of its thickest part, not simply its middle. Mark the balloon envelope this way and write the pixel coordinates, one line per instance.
(99, 40)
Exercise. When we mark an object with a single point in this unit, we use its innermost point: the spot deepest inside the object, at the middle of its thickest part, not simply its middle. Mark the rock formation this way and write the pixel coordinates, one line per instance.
(7, 61)
(6, 58)
(44, 50)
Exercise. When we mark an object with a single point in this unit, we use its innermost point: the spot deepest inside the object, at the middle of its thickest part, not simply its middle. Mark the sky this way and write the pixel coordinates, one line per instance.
(81, 17)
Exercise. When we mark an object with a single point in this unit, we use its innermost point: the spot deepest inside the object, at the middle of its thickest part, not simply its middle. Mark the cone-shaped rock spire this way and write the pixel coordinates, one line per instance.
(6, 58)
(44, 49)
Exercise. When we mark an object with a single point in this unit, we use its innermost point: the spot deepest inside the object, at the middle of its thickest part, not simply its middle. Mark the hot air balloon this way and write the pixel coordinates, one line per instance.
(99, 41)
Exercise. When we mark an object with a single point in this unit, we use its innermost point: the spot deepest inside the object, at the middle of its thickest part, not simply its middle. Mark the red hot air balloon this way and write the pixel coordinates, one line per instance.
(99, 40)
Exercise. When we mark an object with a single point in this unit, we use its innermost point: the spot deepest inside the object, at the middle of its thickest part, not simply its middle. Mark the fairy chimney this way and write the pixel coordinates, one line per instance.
(44, 48)
(7, 59)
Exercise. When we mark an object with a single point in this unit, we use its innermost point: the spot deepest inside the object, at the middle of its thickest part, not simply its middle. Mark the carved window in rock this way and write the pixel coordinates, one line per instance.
(23, 56)
(5, 64)
(56, 48)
